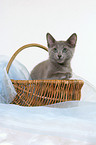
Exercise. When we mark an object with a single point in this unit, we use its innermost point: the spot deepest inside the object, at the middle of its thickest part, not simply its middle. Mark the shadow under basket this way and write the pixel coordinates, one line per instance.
(44, 92)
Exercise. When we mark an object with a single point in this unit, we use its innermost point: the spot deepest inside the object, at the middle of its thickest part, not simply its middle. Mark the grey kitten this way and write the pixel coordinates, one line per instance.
(60, 55)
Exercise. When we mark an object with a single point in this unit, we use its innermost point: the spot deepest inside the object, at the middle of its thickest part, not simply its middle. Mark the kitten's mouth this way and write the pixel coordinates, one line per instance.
(60, 60)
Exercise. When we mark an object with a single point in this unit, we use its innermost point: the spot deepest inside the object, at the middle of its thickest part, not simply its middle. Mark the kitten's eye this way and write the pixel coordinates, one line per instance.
(64, 50)
(55, 49)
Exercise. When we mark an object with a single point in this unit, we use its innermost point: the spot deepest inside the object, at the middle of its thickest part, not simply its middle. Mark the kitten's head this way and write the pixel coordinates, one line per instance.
(61, 51)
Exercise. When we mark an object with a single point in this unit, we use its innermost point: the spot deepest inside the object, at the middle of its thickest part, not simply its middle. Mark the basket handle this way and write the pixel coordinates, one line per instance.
(20, 49)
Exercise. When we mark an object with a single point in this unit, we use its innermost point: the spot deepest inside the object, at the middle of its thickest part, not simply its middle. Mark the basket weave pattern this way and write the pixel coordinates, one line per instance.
(39, 93)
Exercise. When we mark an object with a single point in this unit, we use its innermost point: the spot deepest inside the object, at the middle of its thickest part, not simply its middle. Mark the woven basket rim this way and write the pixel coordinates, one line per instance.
(49, 81)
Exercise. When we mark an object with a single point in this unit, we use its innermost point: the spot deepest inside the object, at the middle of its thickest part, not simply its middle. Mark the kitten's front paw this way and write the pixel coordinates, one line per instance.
(63, 78)
(67, 76)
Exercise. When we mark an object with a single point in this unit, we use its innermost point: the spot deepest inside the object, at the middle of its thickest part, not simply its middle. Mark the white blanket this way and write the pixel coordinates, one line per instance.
(68, 123)
(75, 124)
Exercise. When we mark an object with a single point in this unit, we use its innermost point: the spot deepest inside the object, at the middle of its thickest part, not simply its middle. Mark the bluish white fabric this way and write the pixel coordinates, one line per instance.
(70, 125)
(66, 123)
(17, 71)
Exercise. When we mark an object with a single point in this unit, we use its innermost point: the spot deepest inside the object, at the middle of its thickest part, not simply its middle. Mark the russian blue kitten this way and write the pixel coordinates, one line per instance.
(60, 55)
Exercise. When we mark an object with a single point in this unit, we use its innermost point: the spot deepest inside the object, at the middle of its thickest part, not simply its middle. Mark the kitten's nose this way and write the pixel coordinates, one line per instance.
(59, 56)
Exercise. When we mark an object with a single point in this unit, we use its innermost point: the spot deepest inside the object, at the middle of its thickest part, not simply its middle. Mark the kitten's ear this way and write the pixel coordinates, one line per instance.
(72, 40)
(50, 40)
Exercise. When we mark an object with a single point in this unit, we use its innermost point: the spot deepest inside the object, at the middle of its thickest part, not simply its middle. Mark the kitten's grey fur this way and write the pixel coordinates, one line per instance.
(60, 55)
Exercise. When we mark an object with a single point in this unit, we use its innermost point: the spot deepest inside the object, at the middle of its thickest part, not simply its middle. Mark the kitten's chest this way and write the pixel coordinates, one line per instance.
(58, 71)
(56, 68)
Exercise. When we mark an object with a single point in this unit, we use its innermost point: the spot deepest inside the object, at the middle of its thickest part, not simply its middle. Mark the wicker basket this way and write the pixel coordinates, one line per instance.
(44, 92)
